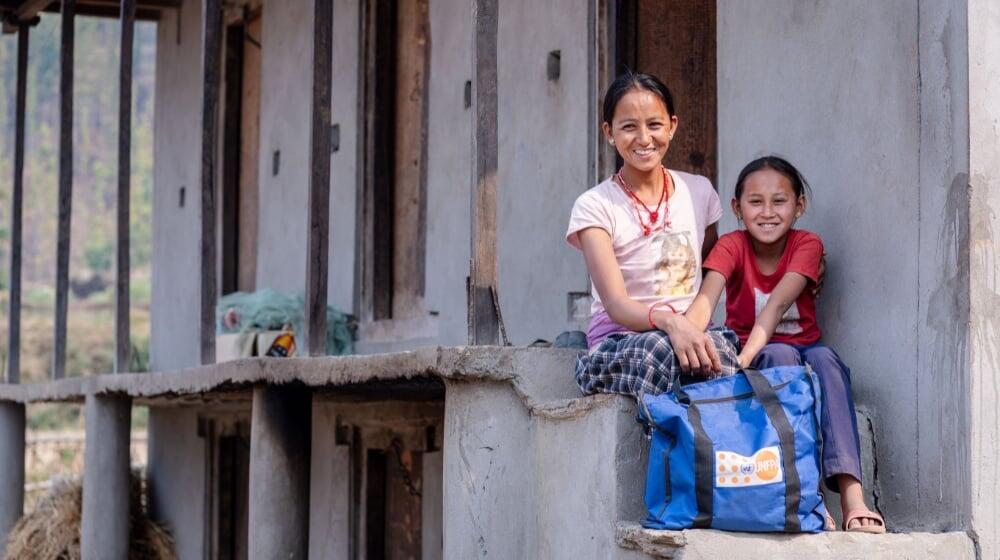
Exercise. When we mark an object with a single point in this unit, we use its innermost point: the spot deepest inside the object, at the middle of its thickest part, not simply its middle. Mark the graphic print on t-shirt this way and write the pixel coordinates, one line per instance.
(789, 323)
(677, 267)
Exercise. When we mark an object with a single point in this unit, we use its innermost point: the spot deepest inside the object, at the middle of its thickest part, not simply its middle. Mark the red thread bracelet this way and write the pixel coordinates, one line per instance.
(649, 316)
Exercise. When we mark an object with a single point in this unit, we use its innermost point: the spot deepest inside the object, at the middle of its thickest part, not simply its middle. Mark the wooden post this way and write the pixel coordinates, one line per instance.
(212, 47)
(14, 303)
(317, 265)
(123, 343)
(484, 321)
(65, 187)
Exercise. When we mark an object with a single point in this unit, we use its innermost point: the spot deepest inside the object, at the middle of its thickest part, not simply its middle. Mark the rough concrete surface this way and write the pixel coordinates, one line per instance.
(984, 238)
(174, 336)
(540, 376)
(104, 530)
(12, 422)
(713, 545)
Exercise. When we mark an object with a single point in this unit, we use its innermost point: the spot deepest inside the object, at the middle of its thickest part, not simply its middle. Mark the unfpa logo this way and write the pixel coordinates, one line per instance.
(735, 470)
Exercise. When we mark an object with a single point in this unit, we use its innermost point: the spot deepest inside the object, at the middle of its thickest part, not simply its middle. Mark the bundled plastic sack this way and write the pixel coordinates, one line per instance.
(270, 310)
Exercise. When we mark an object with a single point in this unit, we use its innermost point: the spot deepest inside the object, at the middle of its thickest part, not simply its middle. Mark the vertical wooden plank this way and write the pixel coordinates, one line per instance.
(122, 266)
(249, 154)
(673, 38)
(17, 204)
(409, 161)
(211, 67)
(65, 187)
(319, 179)
(483, 318)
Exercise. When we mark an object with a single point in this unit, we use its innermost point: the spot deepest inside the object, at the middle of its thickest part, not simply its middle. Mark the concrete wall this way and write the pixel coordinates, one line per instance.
(285, 109)
(984, 238)
(543, 128)
(518, 484)
(449, 168)
(869, 100)
(177, 478)
(177, 155)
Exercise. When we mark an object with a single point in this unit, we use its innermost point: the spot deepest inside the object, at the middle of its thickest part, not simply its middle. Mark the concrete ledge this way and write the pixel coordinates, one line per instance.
(709, 544)
(542, 377)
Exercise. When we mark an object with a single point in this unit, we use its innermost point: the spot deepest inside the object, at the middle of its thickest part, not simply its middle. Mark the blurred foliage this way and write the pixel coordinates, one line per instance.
(95, 153)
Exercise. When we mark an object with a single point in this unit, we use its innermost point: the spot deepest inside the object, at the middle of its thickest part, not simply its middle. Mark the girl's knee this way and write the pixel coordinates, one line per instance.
(777, 354)
(824, 361)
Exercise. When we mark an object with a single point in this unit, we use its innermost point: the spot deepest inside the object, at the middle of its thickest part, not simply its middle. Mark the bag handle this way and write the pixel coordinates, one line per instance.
(704, 462)
(704, 452)
(786, 437)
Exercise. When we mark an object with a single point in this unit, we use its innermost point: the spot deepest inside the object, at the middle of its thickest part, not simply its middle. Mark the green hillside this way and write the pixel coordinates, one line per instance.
(95, 136)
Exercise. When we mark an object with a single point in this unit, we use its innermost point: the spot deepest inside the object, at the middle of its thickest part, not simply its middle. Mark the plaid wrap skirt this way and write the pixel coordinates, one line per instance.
(638, 363)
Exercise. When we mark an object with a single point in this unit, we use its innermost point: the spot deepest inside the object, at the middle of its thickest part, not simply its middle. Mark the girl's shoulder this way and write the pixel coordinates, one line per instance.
(697, 184)
(601, 193)
(734, 239)
(803, 237)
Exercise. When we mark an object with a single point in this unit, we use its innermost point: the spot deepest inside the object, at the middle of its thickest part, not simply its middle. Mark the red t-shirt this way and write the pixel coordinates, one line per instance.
(748, 289)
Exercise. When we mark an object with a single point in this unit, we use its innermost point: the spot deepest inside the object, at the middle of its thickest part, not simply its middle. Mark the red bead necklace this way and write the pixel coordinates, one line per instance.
(653, 214)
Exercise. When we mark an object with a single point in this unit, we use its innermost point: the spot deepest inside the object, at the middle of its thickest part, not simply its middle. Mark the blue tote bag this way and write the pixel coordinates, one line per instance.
(739, 453)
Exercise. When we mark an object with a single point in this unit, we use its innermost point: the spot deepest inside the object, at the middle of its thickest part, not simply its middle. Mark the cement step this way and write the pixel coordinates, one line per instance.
(714, 545)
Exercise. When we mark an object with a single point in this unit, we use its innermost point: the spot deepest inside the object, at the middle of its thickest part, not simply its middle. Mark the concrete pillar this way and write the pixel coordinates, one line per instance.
(984, 262)
(11, 467)
(105, 530)
(280, 444)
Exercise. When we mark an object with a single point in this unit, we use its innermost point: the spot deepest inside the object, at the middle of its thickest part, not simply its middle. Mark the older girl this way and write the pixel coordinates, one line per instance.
(643, 233)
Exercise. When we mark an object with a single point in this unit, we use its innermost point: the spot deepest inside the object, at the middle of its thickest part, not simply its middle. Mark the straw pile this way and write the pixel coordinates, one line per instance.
(52, 530)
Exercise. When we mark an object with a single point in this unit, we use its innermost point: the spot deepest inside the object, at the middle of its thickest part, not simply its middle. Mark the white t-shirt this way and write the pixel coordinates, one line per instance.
(664, 266)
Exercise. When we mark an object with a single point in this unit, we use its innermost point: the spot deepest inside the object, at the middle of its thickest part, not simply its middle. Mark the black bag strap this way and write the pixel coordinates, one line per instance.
(776, 414)
(704, 462)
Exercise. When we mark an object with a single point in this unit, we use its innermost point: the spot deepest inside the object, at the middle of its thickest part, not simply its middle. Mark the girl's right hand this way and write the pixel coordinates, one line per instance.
(695, 350)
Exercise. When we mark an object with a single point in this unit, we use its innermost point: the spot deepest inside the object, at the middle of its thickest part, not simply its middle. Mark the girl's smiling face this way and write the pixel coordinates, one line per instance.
(641, 129)
(768, 206)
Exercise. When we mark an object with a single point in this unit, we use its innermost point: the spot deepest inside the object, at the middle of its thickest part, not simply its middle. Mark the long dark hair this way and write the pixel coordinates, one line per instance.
(633, 80)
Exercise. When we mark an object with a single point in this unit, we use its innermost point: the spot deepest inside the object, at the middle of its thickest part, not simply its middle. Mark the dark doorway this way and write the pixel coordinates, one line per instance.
(228, 480)
(240, 157)
(393, 503)
(675, 40)
(392, 205)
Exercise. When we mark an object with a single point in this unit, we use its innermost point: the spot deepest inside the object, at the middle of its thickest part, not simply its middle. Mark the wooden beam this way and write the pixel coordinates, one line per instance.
(65, 187)
(123, 343)
(17, 203)
(317, 266)
(112, 11)
(30, 8)
(211, 53)
(484, 322)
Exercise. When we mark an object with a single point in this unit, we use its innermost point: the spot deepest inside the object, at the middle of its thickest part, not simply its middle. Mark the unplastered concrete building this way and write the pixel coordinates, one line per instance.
(364, 152)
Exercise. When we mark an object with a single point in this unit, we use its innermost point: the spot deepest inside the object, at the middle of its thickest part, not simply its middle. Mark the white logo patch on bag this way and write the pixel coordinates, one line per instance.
(733, 470)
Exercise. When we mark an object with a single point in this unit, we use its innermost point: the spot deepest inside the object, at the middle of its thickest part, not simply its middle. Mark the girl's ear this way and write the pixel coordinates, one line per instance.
(673, 125)
(606, 128)
(736, 209)
(800, 206)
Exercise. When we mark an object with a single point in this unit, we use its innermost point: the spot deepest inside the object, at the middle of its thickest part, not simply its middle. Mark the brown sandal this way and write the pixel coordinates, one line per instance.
(864, 514)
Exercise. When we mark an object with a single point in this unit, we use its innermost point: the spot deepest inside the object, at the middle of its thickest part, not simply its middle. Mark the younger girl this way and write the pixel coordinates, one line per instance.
(768, 271)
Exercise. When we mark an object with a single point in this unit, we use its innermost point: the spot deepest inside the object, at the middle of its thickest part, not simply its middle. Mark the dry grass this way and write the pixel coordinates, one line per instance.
(52, 530)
